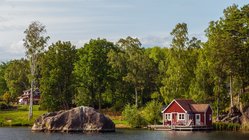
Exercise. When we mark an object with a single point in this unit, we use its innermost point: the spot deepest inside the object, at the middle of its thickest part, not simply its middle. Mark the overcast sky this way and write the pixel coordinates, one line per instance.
(80, 20)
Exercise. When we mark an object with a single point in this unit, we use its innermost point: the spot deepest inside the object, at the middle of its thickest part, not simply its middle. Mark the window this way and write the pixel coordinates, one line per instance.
(210, 117)
(181, 116)
(168, 116)
(197, 116)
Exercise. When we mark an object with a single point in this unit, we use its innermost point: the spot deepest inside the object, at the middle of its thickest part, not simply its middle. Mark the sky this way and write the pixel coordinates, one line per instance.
(79, 21)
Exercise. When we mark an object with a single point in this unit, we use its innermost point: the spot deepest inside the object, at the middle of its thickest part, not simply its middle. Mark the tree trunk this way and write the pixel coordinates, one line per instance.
(218, 97)
(231, 92)
(32, 65)
(31, 101)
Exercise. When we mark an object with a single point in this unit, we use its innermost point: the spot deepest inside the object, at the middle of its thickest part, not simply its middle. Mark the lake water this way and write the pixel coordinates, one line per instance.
(121, 134)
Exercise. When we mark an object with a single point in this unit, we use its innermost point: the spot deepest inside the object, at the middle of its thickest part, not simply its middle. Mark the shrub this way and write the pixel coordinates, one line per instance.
(226, 126)
(132, 116)
(152, 112)
(6, 97)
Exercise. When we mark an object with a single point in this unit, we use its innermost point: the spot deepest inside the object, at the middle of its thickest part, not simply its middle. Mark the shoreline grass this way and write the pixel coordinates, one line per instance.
(19, 117)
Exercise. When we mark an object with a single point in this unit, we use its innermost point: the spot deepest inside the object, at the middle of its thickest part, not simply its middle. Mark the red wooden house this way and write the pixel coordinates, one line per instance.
(181, 112)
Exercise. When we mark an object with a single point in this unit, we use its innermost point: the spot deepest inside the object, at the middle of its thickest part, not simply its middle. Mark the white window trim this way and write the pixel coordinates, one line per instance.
(166, 114)
(178, 116)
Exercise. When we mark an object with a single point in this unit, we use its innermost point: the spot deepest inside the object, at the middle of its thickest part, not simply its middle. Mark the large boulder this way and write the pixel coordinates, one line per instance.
(79, 119)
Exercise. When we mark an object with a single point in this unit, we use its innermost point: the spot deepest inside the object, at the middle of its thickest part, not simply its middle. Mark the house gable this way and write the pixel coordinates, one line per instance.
(173, 107)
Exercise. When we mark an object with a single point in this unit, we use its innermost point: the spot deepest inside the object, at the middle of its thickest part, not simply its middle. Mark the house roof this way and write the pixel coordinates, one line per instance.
(199, 107)
(189, 105)
(185, 104)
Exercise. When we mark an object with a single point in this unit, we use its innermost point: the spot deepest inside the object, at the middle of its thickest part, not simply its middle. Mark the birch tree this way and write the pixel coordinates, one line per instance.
(34, 43)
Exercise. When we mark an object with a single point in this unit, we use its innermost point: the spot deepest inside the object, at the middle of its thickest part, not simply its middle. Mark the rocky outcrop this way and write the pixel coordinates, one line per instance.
(79, 119)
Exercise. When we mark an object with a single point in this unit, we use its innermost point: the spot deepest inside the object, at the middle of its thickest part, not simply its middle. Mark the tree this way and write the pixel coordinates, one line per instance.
(3, 83)
(34, 43)
(57, 82)
(181, 64)
(16, 77)
(228, 44)
(135, 65)
(93, 71)
(159, 60)
(201, 88)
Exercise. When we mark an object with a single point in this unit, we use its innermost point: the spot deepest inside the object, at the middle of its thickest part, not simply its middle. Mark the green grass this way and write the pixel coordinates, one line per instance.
(120, 122)
(19, 117)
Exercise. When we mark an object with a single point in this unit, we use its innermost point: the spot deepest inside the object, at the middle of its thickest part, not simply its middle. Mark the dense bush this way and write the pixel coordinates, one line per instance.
(7, 97)
(152, 112)
(226, 126)
(132, 115)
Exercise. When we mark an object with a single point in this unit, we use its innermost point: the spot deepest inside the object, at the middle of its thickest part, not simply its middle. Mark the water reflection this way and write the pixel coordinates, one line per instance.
(122, 134)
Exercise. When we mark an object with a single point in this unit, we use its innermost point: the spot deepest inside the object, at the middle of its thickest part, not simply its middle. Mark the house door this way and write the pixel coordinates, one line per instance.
(197, 119)
(174, 119)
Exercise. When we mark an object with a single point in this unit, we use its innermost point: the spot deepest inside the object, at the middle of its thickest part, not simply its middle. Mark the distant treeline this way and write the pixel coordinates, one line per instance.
(105, 74)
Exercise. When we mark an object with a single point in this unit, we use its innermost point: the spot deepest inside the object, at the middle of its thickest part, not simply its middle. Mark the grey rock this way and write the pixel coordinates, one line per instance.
(79, 119)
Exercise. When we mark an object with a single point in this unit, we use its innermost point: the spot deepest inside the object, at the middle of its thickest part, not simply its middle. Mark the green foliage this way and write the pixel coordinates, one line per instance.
(3, 84)
(93, 72)
(226, 126)
(57, 82)
(181, 64)
(7, 97)
(132, 62)
(16, 77)
(227, 52)
(35, 43)
(132, 115)
(152, 112)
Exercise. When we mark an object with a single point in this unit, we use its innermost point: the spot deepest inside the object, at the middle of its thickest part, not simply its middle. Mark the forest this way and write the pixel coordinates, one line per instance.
(117, 75)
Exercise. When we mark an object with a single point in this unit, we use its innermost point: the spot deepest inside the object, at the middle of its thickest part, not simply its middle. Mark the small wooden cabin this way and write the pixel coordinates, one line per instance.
(182, 112)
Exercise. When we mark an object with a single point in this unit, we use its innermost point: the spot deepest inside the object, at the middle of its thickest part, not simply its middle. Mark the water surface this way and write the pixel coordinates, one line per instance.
(22, 133)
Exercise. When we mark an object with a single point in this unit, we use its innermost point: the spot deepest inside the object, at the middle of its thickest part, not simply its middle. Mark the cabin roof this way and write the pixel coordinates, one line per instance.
(199, 107)
(185, 104)
(189, 105)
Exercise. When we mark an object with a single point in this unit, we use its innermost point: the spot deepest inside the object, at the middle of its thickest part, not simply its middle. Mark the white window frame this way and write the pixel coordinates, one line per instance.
(181, 116)
(168, 116)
